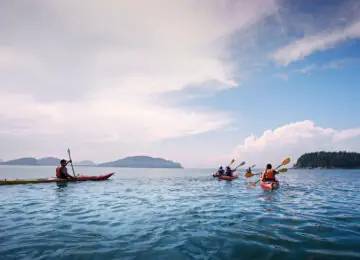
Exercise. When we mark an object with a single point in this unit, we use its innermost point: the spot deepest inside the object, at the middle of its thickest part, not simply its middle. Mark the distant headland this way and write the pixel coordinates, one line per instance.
(329, 160)
(128, 162)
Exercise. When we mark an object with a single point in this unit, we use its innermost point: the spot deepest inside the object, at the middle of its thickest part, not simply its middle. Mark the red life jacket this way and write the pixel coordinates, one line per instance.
(269, 174)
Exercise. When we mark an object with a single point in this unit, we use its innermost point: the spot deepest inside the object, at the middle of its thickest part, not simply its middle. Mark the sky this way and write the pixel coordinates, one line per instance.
(196, 82)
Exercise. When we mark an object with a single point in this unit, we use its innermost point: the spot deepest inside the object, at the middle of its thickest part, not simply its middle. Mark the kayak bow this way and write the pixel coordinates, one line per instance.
(228, 178)
(269, 185)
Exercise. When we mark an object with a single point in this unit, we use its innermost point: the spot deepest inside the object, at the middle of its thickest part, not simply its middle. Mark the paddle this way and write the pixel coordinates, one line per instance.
(241, 164)
(72, 166)
(249, 174)
(286, 161)
(232, 161)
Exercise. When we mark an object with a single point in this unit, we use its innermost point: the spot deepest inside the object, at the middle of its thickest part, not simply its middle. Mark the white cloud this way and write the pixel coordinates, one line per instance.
(293, 140)
(307, 69)
(283, 76)
(306, 46)
(88, 70)
(346, 134)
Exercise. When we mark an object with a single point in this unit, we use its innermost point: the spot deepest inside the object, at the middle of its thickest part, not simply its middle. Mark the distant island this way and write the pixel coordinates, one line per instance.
(142, 162)
(329, 160)
(128, 162)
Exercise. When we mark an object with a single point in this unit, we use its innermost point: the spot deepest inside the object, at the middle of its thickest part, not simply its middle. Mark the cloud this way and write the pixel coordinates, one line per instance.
(293, 140)
(306, 46)
(283, 76)
(306, 69)
(95, 72)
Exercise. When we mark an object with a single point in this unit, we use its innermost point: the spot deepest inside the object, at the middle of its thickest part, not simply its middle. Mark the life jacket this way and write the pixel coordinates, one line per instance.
(221, 171)
(228, 172)
(58, 173)
(269, 174)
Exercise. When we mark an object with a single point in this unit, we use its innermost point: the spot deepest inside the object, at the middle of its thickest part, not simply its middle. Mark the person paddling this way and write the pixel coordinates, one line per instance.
(61, 170)
(228, 171)
(221, 171)
(248, 170)
(269, 174)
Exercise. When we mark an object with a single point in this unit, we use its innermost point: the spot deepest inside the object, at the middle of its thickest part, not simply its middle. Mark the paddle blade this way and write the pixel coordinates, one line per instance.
(252, 184)
(232, 161)
(241, 164)
(253, 166)
(283, 170)
(286, 161)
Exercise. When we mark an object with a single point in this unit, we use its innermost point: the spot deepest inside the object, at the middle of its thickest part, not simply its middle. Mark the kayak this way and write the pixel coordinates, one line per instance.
(216, 175)
(78, 178)
(269, 185)
(229, 178)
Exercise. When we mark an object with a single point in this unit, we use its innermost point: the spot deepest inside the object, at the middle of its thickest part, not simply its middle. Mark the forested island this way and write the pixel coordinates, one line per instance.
(329, 160)
(142, 162)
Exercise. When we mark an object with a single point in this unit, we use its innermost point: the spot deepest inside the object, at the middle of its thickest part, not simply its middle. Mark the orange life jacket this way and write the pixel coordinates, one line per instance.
(269, 174)
(58, 173)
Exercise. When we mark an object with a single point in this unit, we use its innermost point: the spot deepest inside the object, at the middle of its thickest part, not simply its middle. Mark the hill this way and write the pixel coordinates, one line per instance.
(48, 161)
(142, 162)
(22, 161)
(329, 160)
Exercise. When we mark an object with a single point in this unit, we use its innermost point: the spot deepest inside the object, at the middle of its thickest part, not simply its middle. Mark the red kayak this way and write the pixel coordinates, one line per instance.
(269, 185)
(229, 178)
(78, 178)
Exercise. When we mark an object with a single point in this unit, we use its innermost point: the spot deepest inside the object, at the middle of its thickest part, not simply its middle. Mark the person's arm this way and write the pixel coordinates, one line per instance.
(70, 161)
(262, 176)
(65, 173)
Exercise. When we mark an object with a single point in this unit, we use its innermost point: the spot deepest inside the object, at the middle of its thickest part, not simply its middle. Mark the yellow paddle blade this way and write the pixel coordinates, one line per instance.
(253, 184)
(232, 161)
(283, 170)
(286, 161)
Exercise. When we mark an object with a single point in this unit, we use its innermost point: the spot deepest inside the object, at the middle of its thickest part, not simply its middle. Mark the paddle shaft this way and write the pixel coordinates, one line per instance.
(261, 172)
(72, 166)
(241, 164)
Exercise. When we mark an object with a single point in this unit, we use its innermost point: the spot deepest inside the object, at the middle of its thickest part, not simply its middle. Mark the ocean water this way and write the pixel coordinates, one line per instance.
(180, 214)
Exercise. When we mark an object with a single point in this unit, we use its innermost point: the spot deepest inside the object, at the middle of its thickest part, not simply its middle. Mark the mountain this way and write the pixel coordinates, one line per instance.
(142, 162)
(129, 162)
(22, 161)
(85, 163)
(48, 161)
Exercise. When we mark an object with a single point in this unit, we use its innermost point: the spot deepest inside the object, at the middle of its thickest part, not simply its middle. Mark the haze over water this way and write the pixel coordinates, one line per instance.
(180, 214)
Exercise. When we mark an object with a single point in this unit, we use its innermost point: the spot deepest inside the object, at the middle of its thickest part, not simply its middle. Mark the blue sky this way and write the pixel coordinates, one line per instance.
(197, 82)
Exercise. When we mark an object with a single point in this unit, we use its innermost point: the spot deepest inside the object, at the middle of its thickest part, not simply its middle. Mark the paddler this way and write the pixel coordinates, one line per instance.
(248, 170)
(269, 174)
(61, 170)
(220, 171)
(228, 171)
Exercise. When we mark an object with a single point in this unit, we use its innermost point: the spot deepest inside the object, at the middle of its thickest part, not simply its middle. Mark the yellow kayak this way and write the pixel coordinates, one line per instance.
(78, 178)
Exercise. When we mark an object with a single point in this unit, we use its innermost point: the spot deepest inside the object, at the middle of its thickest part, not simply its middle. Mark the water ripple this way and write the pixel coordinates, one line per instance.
(184, 214)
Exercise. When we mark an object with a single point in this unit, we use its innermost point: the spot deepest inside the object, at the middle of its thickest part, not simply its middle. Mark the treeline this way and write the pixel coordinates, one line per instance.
(329, 160)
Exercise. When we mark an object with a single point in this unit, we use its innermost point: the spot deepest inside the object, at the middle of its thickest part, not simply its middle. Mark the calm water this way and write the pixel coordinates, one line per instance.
(180, 214)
